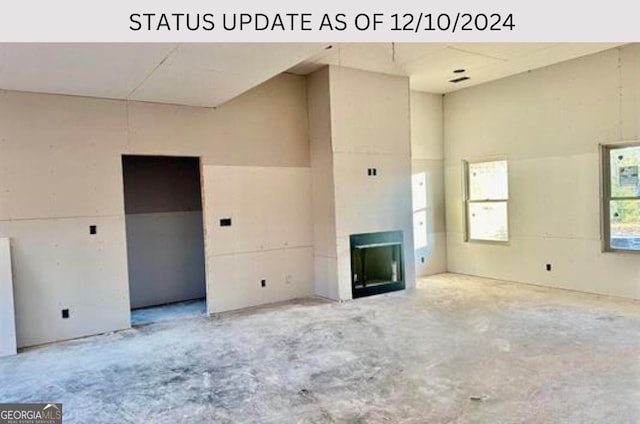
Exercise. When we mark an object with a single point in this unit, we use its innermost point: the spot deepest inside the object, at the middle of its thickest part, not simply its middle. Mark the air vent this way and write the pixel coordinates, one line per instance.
(457, 80)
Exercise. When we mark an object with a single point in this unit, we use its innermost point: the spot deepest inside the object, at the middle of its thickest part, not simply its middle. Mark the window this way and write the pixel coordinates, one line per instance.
(487, 195)
(621, 195)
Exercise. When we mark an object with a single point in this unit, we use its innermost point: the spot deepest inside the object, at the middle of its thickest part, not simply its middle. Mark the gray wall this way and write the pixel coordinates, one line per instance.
(165, 242)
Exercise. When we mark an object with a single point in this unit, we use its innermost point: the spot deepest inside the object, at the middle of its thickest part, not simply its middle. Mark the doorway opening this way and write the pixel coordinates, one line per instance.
(165, 237)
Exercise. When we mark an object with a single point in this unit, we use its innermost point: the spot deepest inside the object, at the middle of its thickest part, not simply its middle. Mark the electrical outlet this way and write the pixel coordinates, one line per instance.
(548, 267)
(93, 229)
(65, 313)
(263, 283)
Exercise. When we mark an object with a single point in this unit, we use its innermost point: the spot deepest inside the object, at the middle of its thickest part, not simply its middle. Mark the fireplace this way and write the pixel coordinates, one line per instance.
(377, 264)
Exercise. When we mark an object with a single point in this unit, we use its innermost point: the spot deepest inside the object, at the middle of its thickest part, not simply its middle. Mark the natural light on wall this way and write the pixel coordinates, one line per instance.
(419, 184)
(487, 198)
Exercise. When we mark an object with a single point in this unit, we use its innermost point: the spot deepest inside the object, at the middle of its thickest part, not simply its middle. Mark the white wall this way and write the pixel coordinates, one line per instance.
(60, 172)
(7, 317)
(548, 124)
(270, 237)
(363, 122)
(427, 163)
(325, 256)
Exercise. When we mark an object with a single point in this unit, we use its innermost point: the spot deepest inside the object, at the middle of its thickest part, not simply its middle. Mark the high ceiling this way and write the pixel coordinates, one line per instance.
(195, 74)
(431, 66)
(208, 74)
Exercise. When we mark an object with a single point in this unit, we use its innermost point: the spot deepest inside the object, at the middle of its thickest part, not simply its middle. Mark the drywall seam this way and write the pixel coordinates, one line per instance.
(291, 247)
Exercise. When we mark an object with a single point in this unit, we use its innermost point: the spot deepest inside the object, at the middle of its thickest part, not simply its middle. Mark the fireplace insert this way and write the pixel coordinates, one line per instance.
(377, 264)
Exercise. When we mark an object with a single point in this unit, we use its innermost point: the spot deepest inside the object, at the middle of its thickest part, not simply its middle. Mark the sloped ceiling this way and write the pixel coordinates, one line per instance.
(189, 74)
(208, 74)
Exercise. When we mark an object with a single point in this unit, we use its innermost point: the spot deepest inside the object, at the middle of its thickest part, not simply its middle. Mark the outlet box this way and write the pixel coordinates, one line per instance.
(548, 267)
(263, 283)
(65, 314)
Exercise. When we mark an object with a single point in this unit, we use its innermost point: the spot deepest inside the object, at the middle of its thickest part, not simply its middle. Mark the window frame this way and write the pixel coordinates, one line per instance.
(466, 199)
(605, 196)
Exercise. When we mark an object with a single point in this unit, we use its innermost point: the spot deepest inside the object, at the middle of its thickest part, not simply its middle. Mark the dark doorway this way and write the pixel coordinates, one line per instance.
(165, 238)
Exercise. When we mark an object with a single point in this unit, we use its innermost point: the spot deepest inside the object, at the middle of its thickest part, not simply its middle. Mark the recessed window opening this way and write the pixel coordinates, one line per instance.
(486, 201)
(621, 197)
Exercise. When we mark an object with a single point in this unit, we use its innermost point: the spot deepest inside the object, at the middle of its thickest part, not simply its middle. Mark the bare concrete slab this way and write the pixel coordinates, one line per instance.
(456, 349)
(171, 312)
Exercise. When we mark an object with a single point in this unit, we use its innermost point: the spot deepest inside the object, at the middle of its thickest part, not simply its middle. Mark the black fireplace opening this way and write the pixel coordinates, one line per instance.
(377, 264)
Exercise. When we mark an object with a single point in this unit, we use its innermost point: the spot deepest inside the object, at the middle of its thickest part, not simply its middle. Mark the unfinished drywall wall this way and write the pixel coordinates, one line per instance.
(269, 237)
(361, 123)
(61, 172)
(427, 164)
(325, 256)
(8, 344)
(165, 236)
(548, 124)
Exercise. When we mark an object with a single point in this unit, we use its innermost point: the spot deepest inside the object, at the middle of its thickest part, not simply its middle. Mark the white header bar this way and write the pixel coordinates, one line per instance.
(324, 20)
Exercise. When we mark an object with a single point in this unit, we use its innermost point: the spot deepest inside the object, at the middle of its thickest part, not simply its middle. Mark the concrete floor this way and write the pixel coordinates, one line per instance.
(455, 350)
(171, 312)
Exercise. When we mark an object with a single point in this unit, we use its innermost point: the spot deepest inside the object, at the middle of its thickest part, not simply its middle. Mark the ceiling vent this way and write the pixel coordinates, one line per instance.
(459, 79)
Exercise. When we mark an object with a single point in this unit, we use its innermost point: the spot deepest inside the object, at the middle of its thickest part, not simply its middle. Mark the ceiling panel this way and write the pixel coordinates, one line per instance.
(242, 58)
(211, 73)
(207, 74)
(434, 71)
(409, 52)
(375, 57)
(203, 74)
(533, 60)
(96, 70)
(504, 51)
(430, 66)
(191, 87)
